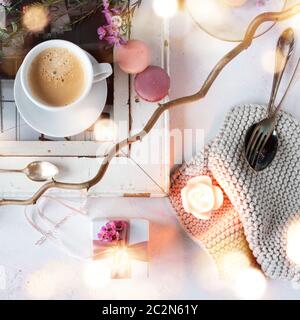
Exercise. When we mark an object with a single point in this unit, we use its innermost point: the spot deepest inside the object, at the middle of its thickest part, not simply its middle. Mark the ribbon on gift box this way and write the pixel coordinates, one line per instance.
(121, 251)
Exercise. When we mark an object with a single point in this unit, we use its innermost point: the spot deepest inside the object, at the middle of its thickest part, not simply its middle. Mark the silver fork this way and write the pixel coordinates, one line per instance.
(264, 129)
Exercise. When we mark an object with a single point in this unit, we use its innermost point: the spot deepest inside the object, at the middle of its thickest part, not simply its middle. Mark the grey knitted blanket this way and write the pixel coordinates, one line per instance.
(268, 202)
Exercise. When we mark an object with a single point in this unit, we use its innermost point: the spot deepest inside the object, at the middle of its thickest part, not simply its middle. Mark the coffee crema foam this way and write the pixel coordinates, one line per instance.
(56, 77)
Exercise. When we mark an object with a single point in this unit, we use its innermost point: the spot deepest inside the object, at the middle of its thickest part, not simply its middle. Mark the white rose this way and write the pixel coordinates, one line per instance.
(200, 197)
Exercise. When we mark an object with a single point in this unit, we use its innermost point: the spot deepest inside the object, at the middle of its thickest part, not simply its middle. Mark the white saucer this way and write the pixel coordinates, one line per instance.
(64, 123)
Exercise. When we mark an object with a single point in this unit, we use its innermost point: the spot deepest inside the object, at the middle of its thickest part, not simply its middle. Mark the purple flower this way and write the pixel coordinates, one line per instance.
(120, 225)
(105, 4)
(111, 31)
(101, 33)
(108, 236)
(111, 226)
(111, 231)
(107, 16)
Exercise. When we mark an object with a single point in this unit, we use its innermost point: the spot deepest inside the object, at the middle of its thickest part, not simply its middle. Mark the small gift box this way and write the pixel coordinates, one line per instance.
(123, 244)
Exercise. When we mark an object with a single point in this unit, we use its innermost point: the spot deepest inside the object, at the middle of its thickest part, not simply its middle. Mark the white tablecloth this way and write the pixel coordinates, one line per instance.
(179, 268)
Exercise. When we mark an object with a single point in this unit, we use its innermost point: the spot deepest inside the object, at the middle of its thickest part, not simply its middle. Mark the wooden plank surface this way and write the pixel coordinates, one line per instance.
(152, 154)
(80, 160)
(123, 177)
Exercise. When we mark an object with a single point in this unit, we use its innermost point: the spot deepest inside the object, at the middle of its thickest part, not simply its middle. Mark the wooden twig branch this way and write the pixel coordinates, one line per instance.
(249, 36)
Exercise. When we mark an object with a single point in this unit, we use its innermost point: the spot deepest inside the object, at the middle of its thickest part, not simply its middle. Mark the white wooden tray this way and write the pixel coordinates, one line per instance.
(141, 170)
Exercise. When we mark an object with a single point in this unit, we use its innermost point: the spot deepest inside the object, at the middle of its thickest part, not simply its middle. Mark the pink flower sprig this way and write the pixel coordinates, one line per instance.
(112, 231)
(111, 31)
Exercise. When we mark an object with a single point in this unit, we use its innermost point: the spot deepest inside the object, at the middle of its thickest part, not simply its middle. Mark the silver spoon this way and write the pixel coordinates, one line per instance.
(261, 141)
(36, 171)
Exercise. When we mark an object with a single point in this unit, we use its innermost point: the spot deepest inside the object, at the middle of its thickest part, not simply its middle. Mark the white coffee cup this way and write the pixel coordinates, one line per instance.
(93, 72)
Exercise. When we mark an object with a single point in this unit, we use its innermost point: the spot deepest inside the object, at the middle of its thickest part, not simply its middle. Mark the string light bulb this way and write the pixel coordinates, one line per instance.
(293, 240)
(165, 8)
(250, 284)
(105, 130)
(232, 263)
(35, 17)
(97, 274)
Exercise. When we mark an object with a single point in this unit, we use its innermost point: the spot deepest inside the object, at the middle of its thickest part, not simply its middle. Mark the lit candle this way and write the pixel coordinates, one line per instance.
(200, 197)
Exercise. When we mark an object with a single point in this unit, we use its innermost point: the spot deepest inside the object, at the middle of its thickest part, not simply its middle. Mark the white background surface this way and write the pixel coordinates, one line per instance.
(180, 269)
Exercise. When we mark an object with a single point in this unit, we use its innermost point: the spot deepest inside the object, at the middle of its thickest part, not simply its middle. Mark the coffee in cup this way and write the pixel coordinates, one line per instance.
(56, 77)
(58, 74)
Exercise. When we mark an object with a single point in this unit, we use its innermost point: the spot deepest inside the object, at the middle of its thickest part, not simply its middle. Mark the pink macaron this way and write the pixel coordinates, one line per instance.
(133, 57)
(153, 84)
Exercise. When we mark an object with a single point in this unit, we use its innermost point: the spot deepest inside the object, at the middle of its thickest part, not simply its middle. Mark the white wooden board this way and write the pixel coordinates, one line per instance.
(141, 170)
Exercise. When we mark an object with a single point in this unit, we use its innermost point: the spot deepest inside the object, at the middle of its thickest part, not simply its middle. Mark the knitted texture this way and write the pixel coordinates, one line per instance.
(268, 202)
(223, 234)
